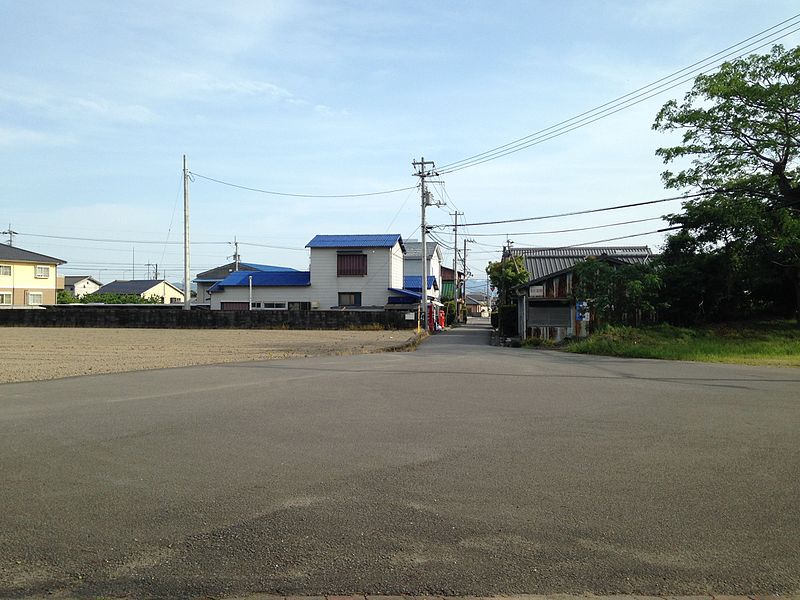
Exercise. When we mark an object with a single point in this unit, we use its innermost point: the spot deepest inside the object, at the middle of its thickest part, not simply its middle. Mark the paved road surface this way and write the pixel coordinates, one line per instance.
(457, 469)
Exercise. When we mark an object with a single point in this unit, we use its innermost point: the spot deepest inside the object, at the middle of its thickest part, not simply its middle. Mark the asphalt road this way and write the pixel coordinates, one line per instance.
(456, 469)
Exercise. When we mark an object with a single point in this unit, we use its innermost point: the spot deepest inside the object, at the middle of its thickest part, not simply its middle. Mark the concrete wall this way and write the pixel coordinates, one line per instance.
(160, 316)
(23, 281)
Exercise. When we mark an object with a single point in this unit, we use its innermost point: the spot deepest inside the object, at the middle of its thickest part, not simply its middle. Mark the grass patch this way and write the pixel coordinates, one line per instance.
(752, 343)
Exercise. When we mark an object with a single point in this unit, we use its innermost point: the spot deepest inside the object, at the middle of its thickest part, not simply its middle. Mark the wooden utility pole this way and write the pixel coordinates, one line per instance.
(187, 292)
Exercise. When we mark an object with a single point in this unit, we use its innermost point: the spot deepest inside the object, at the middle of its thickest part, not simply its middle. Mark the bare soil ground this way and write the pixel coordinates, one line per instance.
(35, 353)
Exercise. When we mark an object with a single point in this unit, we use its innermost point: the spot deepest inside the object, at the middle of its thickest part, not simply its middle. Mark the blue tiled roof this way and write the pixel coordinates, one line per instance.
(356, 241)
(269, 268)
(414, 282)
(264, 279)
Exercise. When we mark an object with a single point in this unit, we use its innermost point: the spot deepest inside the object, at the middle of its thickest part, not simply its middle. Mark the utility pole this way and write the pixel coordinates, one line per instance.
(10, 233)
(455, 260)
(422, 173)
(235, 254)
(464, 259)
(187, 292)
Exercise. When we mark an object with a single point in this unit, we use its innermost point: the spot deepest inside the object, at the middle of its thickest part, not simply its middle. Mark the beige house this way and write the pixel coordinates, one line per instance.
(146, 288)
(27, 278)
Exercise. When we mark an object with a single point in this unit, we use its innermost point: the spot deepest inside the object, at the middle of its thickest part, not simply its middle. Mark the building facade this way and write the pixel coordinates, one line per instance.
(27, 278)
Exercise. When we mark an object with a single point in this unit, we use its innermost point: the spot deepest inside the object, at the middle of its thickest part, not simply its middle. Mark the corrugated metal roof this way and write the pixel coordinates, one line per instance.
(265, 279)
(356, 241)
(131, 286)
(268, 268)
(18, 254)
(407, 293)
(543, 262)
(414, 282)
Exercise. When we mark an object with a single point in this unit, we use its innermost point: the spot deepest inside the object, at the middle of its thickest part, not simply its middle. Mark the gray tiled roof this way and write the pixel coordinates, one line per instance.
(543, 262)
(18, 254)
(131, 286)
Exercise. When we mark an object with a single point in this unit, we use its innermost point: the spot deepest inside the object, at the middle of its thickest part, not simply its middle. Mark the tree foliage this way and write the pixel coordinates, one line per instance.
(738, 249)
(617, 293)
(119, 299)
(507, 274)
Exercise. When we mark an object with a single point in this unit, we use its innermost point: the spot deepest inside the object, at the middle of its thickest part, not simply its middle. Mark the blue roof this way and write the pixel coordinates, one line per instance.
(414, 282)
(269, 268)
(407, 293)
(264, 279)
(387, 240)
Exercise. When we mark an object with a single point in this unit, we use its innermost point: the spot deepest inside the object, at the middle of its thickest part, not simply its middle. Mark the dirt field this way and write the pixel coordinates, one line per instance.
(33, 353)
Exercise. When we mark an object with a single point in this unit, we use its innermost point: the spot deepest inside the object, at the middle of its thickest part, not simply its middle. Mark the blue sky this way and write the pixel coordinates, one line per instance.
(99, 101)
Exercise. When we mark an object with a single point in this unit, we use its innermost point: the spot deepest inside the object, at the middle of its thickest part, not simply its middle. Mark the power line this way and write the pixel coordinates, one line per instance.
(516, 233)
(624, 237)
(579, 212)
(274, 193)
(83, 239)
(626, 101)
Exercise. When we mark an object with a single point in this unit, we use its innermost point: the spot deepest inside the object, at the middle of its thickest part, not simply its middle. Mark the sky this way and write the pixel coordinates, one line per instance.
(100, 101)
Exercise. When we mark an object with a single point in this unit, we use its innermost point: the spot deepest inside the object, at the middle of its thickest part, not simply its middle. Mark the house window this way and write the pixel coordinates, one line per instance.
(5, 270)
(349, 298)
(299, 305)
(5, 298)
(34, 298)
(351, 265)
(42, 271)
(176, 300)
(274, 305)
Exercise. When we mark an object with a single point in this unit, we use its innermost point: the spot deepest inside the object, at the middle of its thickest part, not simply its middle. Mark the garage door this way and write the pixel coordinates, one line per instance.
(548, 316)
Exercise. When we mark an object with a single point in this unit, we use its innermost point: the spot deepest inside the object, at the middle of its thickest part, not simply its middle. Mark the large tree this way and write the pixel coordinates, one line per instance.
(740, 149)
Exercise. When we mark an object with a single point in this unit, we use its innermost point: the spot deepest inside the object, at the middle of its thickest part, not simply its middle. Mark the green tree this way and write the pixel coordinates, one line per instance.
(507, 274)
(617, 293)
(120, 299)
(65, 297)
(741, 148)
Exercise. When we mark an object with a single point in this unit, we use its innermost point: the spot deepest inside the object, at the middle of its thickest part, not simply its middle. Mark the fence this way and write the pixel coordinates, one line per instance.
(156, 316)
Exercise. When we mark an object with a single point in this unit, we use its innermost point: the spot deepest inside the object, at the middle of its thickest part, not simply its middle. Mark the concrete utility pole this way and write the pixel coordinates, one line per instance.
(455, 259)
(235, 254)
(422, 173)
(187, 292)
(464, 259)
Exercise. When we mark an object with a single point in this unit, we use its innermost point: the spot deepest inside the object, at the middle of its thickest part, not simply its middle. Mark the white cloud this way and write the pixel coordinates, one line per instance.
(12, 136)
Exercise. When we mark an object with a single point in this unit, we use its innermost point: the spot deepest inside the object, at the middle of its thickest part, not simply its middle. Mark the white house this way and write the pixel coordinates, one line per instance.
(81, 285)
(146, 288)
(347, 272)
(413, 267)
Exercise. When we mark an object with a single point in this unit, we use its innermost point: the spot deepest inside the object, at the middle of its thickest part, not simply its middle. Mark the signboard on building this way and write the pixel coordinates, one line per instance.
(581, 311)
(536, 291)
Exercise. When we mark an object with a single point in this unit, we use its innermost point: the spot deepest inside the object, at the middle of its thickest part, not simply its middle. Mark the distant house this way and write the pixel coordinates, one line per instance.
(27, 278)
(81, 285)
(477, 305)
(448, 282)
(348, 272)
(545, 308)
(146, 288)
(413, 264)
(205, 280)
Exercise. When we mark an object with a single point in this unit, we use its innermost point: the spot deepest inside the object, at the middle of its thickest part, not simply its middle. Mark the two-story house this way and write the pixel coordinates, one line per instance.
(413, 267)
(27, 278)
(346, 272)
(81, 285)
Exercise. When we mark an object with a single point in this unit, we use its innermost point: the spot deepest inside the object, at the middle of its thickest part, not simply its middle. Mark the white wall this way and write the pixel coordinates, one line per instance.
(265, 294)
(374, 286)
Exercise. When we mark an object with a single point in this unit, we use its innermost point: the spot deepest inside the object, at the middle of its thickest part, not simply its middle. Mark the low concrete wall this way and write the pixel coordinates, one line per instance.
(166, 316)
